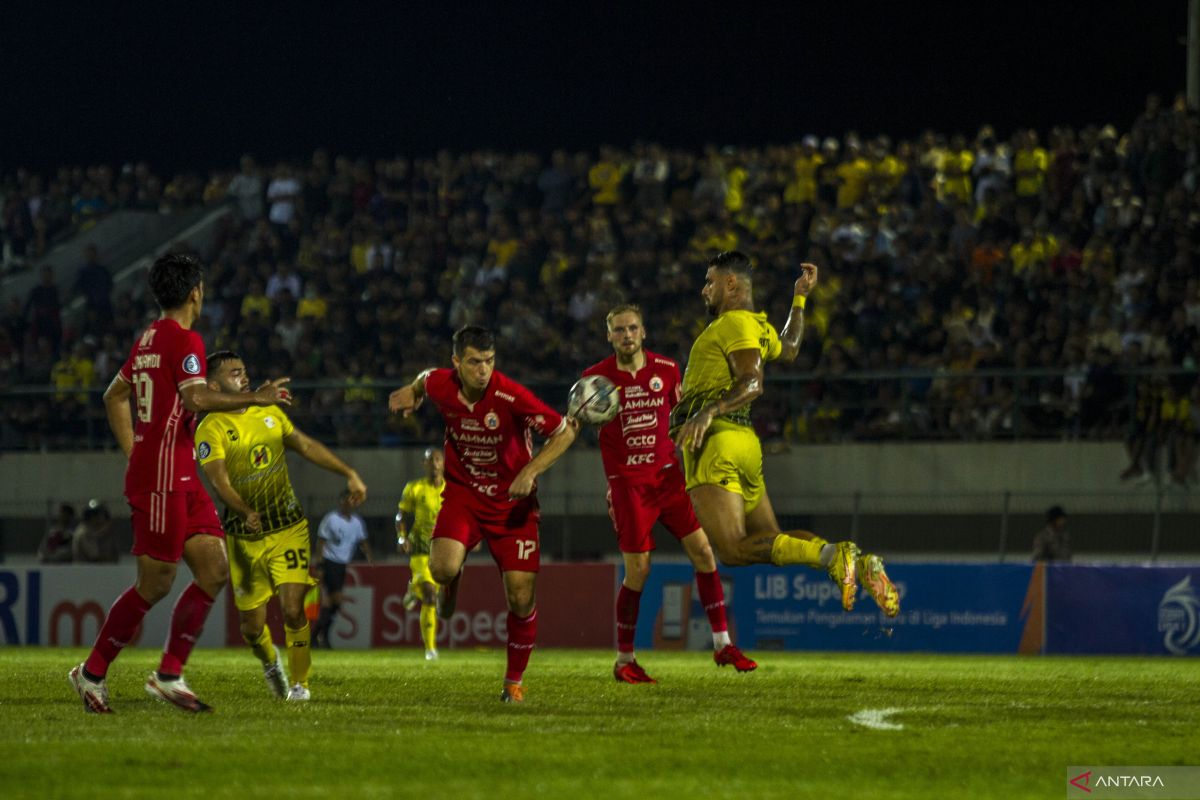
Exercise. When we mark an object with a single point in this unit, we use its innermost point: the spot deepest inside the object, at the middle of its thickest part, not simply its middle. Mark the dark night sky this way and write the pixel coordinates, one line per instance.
(197, 85)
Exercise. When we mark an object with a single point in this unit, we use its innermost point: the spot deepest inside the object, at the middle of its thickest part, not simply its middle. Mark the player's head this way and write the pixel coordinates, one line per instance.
(729, 274)
(176, 281)
(227, 372)
(626, 331)
(435, 464)
(474, 356)
(345, 505)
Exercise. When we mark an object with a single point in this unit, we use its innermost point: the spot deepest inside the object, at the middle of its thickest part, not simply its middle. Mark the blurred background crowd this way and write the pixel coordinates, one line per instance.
(1032, 284)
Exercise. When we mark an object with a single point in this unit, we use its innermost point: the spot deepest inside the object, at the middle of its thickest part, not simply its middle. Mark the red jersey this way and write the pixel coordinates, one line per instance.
(488, 444)
(636, 443)
(164, 360)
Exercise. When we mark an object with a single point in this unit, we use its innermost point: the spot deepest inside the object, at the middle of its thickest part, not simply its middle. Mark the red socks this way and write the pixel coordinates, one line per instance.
(187, 620)
(118, 629)
(628, 601)
(521, 634)
(712, 597)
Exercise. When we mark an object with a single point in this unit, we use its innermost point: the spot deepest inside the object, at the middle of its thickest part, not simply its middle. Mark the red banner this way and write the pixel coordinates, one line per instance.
(575, 609)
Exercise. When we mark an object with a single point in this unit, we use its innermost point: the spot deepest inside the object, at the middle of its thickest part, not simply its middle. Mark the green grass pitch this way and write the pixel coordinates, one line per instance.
(388, 724)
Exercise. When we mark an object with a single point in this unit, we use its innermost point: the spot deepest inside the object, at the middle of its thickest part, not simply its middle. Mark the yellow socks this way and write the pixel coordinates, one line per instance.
(299, 654)
(429, 625)
(262, 646)
(790, 550)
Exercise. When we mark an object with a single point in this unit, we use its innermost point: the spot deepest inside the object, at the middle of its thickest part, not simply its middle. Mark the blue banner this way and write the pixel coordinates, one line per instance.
(1135, 610)
(965, 608)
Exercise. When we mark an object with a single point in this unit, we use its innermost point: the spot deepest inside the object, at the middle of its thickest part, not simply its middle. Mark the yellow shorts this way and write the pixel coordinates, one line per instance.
(257, 567)
(731, 457)
(420, 571)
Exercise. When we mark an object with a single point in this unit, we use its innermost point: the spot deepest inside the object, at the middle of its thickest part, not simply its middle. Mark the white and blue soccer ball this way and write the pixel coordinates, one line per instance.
(594, 400)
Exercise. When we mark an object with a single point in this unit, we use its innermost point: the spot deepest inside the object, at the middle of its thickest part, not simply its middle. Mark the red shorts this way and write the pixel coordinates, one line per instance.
(163, 521)
(511, 529)
(634, 507)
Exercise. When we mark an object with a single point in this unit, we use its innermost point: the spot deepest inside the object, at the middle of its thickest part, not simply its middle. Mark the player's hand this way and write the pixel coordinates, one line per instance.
(406, 545)
(522, 485)
(253, 522)
(404, 401)
(357, 489)
(691, 435)
(273, 393)
(807, 279)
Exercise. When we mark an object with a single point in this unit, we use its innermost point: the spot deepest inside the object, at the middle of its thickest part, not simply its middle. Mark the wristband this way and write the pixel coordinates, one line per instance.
(798, 301)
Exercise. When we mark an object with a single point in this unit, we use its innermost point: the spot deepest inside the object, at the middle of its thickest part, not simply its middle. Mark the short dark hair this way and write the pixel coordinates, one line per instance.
(732, 261)
(172, 279)
(475, 336)
(220, 357)
(1055, 513)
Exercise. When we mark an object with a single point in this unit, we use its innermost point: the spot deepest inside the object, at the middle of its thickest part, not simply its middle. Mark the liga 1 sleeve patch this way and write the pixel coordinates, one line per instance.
(191, 364)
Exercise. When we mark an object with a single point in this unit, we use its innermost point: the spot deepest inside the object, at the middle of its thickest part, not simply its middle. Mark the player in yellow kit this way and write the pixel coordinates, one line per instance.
(420, 503)
(722, 457)
(242, 453)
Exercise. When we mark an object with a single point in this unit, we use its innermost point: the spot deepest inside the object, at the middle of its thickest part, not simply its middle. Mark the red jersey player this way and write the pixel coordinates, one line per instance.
(645, 485)
(490, 492)
(172, 515)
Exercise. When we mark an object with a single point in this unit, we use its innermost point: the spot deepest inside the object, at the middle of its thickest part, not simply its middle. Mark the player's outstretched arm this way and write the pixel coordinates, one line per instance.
(323, 457)
(218, 476)
(746, 366)
(407, 399)
(551, 451)
(198, 397)
(120, 416)
(793, 332)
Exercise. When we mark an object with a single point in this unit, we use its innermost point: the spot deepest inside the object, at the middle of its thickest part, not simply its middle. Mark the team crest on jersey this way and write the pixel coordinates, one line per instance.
(191, 365)
(269, 422)
(203, 450)
(260, 457)
(656, 383)
(491, 421)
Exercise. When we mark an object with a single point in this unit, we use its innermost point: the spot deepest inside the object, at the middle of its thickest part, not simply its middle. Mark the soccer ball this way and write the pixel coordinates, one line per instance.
(594, 400)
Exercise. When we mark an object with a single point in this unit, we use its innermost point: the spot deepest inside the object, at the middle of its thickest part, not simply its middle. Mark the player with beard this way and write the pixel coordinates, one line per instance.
(722, 455)
(645, 485)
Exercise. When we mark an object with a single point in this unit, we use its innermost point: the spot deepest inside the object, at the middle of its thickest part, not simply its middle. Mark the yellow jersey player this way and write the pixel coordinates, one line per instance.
(420, 503)
(722, 456)
(242, 453)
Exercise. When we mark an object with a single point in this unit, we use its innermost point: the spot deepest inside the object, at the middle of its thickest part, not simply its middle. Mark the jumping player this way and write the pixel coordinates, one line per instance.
(172, 516)
(645, 485)
(722, 456)
(490, 478)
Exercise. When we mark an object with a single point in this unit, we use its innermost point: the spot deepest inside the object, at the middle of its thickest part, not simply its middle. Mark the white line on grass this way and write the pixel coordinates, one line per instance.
(876, 719)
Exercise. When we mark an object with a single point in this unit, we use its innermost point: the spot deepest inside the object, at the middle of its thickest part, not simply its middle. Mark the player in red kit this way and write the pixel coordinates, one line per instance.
(645, 485)
(172, 515)
(490, 477)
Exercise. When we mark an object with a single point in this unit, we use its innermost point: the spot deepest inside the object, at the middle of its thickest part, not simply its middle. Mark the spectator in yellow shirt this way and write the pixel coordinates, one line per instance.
(1029, 164)
(954, 172)
(852, 175)
(886, 171)
(605, 178)
(803, 187)
(256, 300)
(76, 371)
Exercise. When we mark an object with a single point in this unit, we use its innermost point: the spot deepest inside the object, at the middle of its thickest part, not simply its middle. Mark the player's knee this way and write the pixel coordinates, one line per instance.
(520, 600)
(637, 572)
(294, 618)
(251, 630)
(442, 573)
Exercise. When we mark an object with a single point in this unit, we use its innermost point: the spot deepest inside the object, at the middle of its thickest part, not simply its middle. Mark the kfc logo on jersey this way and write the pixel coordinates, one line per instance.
(481, 455)
(639, 458)
(638, 422)
(645, 440)
(491, 421)
(656, 383)
(203, 450)
(191, 365)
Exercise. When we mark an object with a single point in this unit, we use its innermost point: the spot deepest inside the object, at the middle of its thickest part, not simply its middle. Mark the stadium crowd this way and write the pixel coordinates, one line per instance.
(1074, 253)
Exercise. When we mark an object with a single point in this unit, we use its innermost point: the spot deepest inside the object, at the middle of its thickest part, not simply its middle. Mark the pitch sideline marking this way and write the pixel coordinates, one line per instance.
(876, 719)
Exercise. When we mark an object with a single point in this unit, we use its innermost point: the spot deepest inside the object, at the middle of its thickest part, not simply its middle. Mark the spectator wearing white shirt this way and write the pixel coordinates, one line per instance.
(284, 279)
(282, 193)
(247, 188)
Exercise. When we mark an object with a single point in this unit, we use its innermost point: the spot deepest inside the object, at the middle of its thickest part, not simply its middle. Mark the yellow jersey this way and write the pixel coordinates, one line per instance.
(251, 444)
(708, 375)
(423, 500)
